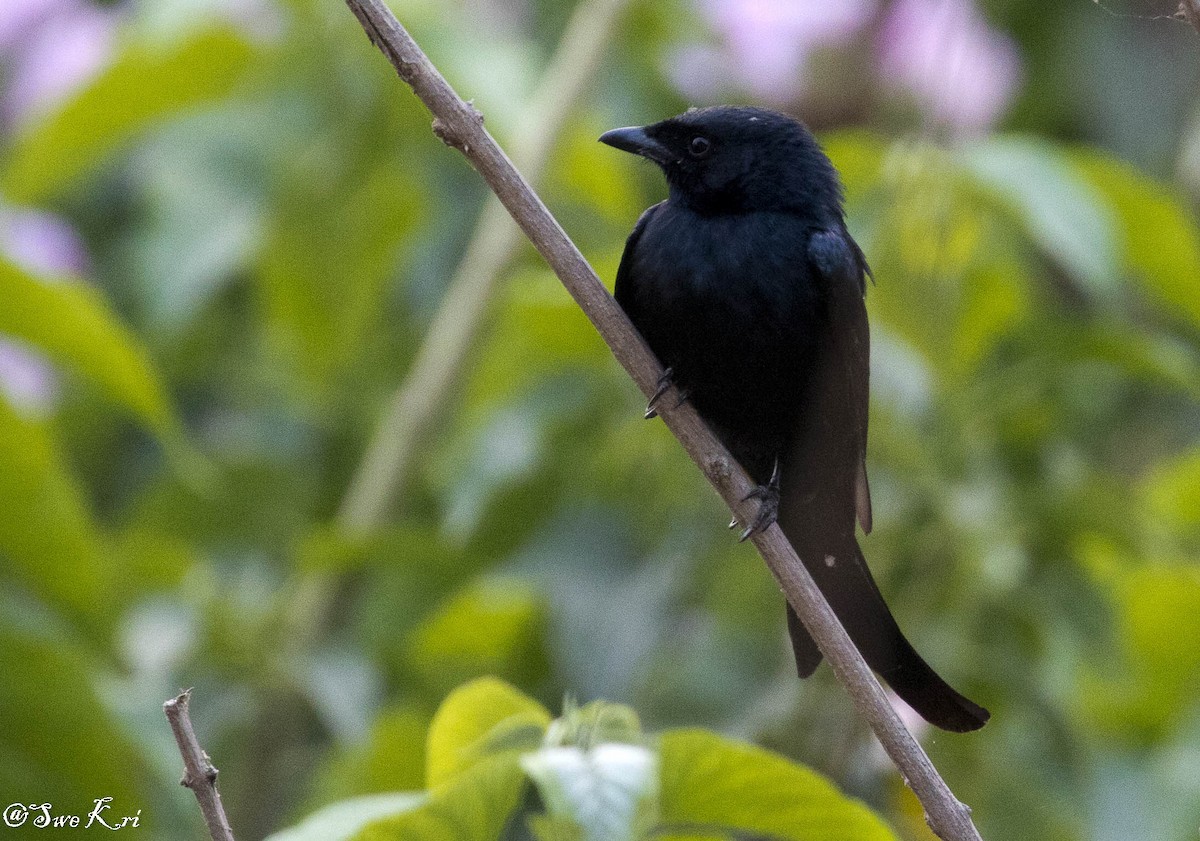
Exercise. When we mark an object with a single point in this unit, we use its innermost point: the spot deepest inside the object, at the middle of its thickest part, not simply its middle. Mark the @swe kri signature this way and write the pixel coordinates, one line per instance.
(43, 816)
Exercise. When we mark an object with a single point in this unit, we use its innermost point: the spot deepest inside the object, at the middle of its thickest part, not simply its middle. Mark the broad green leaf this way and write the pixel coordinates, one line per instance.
(1061, 211)
(343, 820)
(70, 322)
(327, 261)
(994, 301)
(1162, 626)
(550, 828)
(393, 757)
(483, 716)
(1161, 236)
(716, 788)
(145, 83)
(475, 806)
(608, 791)
(1143, 694)
(491, 627)
(48, 533)
(859, 157)
(61, 745)
(1172, 492)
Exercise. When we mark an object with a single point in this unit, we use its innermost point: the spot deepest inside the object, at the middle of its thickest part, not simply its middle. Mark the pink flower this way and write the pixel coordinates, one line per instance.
(41, 243)
(766, 44)
(27, 379)
(52, 48)
(962, 73)
(20, 17)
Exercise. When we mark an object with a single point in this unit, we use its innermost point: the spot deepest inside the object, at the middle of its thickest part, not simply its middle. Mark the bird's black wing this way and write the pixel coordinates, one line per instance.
(824, 485)
(623, 290)
(843, 269)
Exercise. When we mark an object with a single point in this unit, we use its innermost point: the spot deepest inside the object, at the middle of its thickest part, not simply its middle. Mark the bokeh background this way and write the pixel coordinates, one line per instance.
(227, 235)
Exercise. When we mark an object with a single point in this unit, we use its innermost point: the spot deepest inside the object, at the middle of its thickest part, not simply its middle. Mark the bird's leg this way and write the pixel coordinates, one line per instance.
(664, 385)
(768, 505)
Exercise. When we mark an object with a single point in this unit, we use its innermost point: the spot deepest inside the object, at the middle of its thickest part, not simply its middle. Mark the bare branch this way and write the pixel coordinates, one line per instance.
(459, 122)
(199, 774)
(415, 407)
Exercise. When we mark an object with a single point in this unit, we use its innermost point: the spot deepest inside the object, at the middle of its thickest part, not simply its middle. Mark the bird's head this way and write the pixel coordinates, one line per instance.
(731, 159)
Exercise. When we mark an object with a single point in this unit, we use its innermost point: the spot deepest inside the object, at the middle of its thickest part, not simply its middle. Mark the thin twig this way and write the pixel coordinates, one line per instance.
(459, 125)
(199, 774)
(416, 406)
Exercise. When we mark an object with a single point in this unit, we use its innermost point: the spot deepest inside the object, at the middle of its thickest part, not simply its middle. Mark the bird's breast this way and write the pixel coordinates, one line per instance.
(743, 274)
(730, 303)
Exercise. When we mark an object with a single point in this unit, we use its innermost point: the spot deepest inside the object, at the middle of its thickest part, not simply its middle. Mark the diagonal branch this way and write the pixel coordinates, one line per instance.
(459, 125)
(421, 400)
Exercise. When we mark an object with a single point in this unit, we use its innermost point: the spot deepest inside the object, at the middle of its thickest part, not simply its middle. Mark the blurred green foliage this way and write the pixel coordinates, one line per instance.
(597, 777)
(271, 224)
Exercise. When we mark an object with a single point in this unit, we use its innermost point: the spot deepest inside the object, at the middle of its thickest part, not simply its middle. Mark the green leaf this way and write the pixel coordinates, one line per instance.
(859, 157)
(481, 717)
(548, 828)
(1144, 694)
(145, 83)
(475, 806)
(1062, 212)
(994, 300)
(1171, 492)
(490, 627)
(327, 261)
(85, 754)
(340, 821)
(70, 322)
(1162, 240)
(1162, 627)
(392, 758)
(608, 791)
(48, 533)
(718, 788)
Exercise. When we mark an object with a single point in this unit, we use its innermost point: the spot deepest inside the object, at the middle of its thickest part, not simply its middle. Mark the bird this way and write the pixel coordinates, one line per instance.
(747, 285)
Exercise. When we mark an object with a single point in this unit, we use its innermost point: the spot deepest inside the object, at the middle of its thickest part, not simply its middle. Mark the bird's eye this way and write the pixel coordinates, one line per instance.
(699, 147)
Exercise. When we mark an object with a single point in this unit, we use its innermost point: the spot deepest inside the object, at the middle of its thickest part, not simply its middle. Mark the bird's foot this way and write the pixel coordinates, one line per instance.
(768, 506)
(664, 385)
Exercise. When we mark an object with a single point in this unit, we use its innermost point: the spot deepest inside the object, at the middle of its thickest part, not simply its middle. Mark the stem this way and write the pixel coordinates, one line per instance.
(461, 126)
(421, 400)
(199, 774)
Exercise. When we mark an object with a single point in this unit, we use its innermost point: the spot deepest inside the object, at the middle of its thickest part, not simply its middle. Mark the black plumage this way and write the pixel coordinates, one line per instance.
(748, 287)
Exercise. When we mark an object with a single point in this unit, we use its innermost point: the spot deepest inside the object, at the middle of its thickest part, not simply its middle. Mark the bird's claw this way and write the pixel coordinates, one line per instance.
(768, 507)
(768, 511)
(664, 385)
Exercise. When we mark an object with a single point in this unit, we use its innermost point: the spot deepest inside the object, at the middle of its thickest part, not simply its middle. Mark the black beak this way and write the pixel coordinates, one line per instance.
(634, 139)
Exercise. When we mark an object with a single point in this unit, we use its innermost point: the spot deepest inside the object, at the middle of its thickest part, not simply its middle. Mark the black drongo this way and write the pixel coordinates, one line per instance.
(748, 287)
